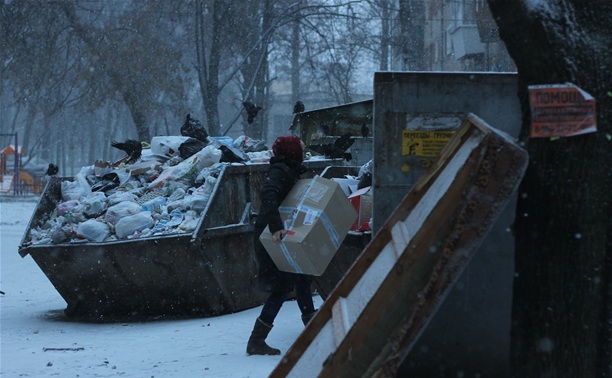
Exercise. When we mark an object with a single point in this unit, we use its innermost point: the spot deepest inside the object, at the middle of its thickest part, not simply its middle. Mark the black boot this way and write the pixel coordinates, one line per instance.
(257, 341)
(306, 318)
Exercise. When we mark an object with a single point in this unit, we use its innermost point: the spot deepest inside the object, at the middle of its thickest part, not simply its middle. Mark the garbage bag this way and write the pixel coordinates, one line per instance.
(193, 128)
(121, 210)
(118, 197)
(74, 190)
(190, 147)
(64, 207)
(129, 225)
(167, 146)
(93, 230)
(198, 200)
(246, 144)
(154, 205)
(189, 169)
(109, 181)
(365, 175)
(190, 221)
(94, 204)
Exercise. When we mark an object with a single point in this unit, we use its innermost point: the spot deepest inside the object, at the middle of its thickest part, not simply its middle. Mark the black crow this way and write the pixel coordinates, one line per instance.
(131, 147)
(230, 155)
(344, 142)
(365, 181)
(251, 110)
(298, 107)
(365, 131)
(337, 149)
(52, 170)
(324, 129)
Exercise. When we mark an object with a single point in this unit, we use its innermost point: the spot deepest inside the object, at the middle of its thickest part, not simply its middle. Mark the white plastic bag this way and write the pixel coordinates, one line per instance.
(198, 200)
(94, 204)
(117, 197)
(121, 210)
(161, 180)
(260, 157)
(93, 230)
(191, 167)
(167, 146)
(64, 207)
(74, 190)
(132, 223)
(154, 205)
(190, 221)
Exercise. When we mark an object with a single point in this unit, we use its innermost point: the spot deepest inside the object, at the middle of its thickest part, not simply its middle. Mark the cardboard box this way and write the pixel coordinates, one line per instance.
(362, 202)
(144, 166)
(347, 185)
(317, 216)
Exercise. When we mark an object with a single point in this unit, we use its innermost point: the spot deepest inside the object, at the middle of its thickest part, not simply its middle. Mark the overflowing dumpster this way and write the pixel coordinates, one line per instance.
(207, 272)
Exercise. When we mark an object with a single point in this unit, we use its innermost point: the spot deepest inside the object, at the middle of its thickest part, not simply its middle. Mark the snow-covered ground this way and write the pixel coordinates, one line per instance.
(38, 341)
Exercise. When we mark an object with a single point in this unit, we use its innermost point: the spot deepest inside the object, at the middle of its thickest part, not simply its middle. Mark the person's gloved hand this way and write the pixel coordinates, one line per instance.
(278, 236)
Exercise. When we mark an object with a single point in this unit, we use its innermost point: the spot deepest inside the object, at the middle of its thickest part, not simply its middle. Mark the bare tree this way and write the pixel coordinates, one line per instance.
(90, 55)
(562, 307)
(411, 18)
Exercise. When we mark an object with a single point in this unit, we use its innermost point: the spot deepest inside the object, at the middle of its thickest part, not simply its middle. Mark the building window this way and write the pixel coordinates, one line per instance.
(457, 17)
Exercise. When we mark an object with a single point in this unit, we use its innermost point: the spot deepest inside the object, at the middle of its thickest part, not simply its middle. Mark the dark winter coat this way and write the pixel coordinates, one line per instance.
(280, 178)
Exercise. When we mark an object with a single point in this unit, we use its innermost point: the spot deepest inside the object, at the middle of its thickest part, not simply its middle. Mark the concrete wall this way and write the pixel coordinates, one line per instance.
(469, 336)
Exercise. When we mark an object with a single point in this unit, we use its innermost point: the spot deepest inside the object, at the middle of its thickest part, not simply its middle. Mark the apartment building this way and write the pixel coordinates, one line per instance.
(458, 35)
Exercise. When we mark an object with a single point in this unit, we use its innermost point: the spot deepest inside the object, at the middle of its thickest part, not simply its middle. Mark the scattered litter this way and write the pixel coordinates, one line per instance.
(62, 349)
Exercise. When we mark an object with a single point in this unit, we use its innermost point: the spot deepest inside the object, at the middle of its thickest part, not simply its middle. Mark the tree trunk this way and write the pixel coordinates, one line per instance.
(562, 306)
(126, 87)
(296, 89)
(261, 76)
(138, 112)
(411, 19)
(208, 69)
(385, 34)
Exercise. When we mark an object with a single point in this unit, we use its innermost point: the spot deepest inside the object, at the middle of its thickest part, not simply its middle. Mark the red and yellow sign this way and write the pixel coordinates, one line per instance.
(424, 143)
(561, 110)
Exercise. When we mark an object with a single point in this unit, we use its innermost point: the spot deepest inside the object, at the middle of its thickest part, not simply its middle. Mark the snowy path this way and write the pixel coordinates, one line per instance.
(38, 341)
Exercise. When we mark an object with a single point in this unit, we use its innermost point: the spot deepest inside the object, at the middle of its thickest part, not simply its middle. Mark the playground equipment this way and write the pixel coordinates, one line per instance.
(14, 180)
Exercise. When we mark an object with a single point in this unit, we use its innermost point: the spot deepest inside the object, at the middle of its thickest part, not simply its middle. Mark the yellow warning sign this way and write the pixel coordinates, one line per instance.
(424, 143)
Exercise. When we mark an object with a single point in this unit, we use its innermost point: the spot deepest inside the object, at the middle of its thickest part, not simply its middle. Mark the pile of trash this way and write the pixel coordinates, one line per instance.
(159, 189)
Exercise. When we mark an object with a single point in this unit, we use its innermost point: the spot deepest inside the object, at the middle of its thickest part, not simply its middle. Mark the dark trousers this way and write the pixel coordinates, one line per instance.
(303, 295)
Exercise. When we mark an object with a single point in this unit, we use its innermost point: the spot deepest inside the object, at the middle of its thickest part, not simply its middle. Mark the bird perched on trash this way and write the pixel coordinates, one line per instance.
(131, 147)
(52, 170)
(298, 107)
(324, 129)
(230, 155)
(337, 149)
(365, 131)
(251, 110)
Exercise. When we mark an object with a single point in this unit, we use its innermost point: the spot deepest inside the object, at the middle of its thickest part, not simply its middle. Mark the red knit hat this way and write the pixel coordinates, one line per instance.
(289, 146)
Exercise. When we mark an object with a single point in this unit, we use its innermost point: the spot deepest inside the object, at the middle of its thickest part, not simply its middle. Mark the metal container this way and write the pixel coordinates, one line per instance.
(350, 249)
(341, 119)
(209, 272)
(470, 333)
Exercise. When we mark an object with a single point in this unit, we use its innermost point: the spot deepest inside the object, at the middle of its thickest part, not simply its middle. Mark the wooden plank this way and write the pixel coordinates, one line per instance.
(402, 277)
